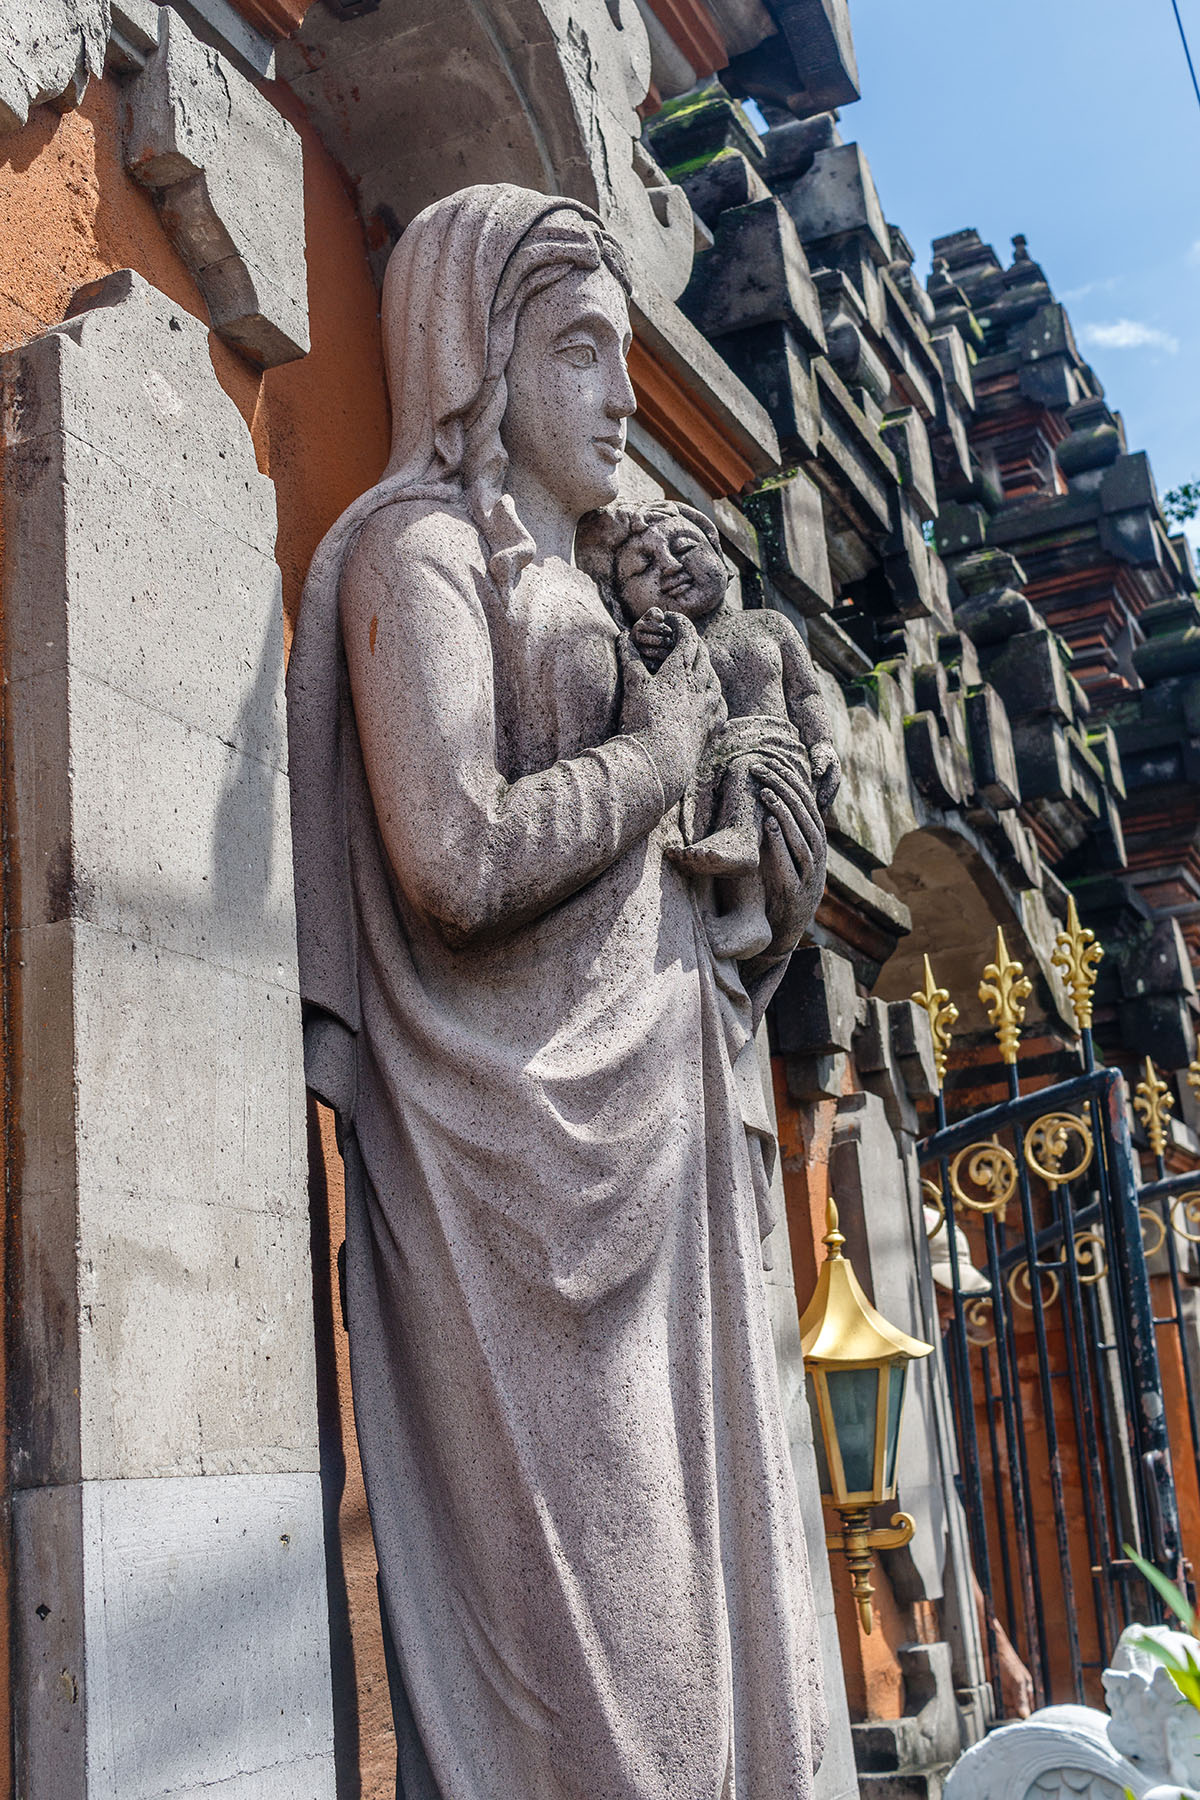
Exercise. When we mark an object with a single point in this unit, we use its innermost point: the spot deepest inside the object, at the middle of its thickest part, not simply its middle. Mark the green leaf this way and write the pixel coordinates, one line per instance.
(1169, 1592)
(1189, 1687)
(1160, 1652)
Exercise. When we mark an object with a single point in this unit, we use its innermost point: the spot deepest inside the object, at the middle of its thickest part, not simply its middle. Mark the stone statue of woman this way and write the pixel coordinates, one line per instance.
(589, 1542)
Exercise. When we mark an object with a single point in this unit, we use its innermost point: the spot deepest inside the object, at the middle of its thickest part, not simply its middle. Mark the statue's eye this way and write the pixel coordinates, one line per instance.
(580, 356)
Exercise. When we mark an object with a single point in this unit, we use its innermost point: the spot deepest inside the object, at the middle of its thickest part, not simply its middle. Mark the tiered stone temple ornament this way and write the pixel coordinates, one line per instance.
(590, 1546)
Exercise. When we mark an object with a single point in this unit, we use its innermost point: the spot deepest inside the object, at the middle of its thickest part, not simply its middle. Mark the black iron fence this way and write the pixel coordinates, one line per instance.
(1055, 1352)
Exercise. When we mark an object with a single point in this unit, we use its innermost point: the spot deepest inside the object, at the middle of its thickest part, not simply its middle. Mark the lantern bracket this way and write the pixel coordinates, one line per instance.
(858, 1539)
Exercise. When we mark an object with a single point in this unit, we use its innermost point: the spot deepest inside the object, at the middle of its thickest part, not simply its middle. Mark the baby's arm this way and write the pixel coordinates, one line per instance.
(806, 709)
(654, 635)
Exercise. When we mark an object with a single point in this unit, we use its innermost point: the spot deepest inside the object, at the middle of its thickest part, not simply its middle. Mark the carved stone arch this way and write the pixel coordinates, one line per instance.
(957, 898)
(419, 103)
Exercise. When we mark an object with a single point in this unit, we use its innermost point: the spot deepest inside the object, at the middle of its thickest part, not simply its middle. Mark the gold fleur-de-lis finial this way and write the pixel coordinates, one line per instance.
(942, 1015)
(1193, 1069)
(1152, 1101)
(1077, 953)
(1004, 990)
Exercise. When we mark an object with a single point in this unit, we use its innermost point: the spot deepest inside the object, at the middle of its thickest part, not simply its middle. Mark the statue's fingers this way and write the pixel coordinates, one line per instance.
(793, 793)
(803, 834)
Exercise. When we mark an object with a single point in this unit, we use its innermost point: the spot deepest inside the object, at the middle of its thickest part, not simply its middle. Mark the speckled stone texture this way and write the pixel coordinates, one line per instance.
(587, 1523)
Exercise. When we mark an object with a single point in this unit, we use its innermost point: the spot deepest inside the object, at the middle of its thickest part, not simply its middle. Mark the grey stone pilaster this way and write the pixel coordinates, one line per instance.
(169, 1604)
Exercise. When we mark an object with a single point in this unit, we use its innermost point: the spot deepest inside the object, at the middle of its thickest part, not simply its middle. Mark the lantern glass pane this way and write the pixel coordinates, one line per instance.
(818, 1439)
(895, 1406)
(853, 1398)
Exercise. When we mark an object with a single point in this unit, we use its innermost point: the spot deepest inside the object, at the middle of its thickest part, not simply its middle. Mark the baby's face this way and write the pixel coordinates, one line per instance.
(671, 564)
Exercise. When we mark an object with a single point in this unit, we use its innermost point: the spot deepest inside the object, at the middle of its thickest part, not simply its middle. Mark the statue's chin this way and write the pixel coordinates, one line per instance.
(602, 492)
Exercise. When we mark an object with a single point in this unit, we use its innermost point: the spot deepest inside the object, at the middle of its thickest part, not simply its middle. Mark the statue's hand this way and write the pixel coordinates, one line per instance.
(827, 773)
(675, 711)
(793, 853)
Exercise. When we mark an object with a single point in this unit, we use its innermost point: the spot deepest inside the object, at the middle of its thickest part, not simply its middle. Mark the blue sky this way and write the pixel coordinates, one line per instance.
(1075, 122)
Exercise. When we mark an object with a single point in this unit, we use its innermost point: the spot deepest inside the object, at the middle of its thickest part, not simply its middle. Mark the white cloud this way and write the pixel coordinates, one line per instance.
(1193, 255)
(1129, 334)
(1104, 286)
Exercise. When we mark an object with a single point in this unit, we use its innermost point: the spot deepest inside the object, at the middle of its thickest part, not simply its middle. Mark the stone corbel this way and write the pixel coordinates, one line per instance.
(226, 173)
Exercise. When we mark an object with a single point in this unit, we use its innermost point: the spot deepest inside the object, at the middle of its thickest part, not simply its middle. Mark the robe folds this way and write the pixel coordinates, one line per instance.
(590, 1547)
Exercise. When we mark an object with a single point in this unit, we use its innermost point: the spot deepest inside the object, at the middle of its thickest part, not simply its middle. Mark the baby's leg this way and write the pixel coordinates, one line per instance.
(731, 847)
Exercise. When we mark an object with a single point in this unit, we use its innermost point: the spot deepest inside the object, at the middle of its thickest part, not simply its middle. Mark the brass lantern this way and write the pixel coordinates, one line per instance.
(857, 1367)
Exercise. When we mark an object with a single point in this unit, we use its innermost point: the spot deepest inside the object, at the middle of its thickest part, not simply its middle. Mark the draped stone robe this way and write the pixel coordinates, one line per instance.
(587, 1527)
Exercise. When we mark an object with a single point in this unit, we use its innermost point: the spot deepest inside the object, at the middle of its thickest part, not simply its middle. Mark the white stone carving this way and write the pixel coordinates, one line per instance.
(1151, 1722)
(48, 49)
(1148, 1743)
(226, 171)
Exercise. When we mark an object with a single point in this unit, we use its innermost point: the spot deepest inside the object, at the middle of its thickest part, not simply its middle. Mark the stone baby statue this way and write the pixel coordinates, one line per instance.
(666, 558)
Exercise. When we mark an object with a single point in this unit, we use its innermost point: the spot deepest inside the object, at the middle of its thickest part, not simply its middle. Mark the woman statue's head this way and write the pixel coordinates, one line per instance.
(505, 326)
(569, 394)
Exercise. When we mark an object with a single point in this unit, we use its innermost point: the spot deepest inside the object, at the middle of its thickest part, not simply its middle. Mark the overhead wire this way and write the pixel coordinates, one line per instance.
(1186, 49)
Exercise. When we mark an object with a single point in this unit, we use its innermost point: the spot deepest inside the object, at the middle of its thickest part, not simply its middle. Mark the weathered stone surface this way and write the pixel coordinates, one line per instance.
(993, 758)
(818, 35)
(772, 361)
(894, 1052)
(928, 1735)
(132, 36)
(905, 436)
(702, 126)
(872, 808)
(174, 1568)
(836, 196)
(227, 28)
(850, 349)
(226, 172)
(166, 1330)
(729, 179)
(755, 274)
(540, 93)
(791, 529)
(48, 50)
(817, 1010)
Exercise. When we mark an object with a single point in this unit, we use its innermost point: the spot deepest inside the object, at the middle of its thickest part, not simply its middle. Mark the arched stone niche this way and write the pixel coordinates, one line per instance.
(956, 900)
(421, 100)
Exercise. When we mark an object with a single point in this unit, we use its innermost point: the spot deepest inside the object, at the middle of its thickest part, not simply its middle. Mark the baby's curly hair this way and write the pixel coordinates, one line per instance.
(601, 536)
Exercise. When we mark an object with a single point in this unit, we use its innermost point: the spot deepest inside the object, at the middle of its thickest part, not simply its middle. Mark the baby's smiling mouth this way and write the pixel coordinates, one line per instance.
(675, 585)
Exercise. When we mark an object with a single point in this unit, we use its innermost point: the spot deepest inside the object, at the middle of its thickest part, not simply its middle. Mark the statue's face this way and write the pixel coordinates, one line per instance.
(671, 565)
(568, 390)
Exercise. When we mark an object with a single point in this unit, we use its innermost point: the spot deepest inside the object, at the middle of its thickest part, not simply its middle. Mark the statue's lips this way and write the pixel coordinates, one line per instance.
(675, 586)
(611, 449)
